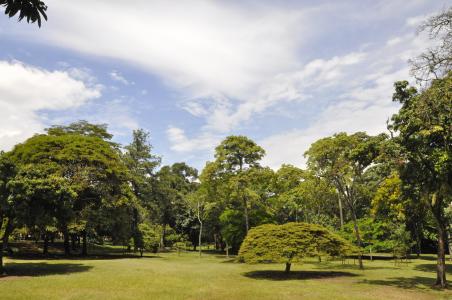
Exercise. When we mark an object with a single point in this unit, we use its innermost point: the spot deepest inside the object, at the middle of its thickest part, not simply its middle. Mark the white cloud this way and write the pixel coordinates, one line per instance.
(116, 76)
(233, 61)
(180, 142)
(26, 90)
(362, 103)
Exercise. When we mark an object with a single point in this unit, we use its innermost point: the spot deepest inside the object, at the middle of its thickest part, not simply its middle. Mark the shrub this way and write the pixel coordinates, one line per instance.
(291, 242)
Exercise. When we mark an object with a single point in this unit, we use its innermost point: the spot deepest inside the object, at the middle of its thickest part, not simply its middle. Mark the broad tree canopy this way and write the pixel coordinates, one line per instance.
(291, 242)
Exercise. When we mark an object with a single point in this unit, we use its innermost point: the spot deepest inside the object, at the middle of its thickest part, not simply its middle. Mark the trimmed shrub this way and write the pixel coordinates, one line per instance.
(291, 242)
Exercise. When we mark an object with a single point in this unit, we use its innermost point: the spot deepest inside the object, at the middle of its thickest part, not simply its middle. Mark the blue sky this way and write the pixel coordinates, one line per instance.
(284, 73)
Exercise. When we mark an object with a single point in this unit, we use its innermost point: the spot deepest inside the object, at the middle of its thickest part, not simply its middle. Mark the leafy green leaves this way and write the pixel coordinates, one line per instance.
(291, 242)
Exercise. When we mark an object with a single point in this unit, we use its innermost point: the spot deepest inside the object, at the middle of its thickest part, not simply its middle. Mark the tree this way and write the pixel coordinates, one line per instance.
(436, 61)
(173, 184)
(8, 170)
(289, 243)
(424, 125)
(343, 160)
(234, 155)
(141, 164)
(32, 10)
(87, 165)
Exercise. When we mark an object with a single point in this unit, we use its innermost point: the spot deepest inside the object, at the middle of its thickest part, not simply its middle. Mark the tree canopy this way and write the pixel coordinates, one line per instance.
(291, 242)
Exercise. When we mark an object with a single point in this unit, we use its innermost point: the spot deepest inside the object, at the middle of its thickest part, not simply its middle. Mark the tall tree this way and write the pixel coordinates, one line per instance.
(424, 125)
(342, 160)
(234, 155)
(141, 164)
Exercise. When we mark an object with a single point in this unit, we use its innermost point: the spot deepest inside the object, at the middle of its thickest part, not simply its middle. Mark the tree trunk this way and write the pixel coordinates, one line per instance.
(162, 239)
(135, 229)
(200, 235)
(4, 248)
(227, 250)
(200, 229)
(245, 210)
(73, 238)
(288, 267)
(67, 248)
(441, 262)
(449, 243)
(45, 250)
(358, 239)
(341, 214)
(84, 243)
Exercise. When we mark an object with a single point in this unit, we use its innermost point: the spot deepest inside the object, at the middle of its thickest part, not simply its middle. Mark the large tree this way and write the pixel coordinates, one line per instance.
(343, 160)
(141, 164)
(424, 125)
(235, 155)
(88, 165)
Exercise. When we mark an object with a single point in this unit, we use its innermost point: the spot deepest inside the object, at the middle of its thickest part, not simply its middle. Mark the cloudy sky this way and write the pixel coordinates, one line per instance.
(284, 73)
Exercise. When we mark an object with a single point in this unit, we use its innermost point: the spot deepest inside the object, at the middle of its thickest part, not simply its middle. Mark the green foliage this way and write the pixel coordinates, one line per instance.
(375, 235)
(290, 243)
(401, 241)
(149, 237)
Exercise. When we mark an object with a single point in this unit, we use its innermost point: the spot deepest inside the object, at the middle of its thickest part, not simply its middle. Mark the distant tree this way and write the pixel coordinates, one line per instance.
(424, 127)
(31, 10)
(290, 242)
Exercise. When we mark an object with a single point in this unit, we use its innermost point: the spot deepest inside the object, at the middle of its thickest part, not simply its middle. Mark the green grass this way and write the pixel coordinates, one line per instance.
(169, 276)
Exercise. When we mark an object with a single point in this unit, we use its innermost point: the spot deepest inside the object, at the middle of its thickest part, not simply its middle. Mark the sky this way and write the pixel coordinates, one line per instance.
(284, 73)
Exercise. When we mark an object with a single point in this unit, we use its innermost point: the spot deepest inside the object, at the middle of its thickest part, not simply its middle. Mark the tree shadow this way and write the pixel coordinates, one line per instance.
(431, 268)
(42, 269)
(415, 282)
(300, 275)
(53, 256)
(347, 266)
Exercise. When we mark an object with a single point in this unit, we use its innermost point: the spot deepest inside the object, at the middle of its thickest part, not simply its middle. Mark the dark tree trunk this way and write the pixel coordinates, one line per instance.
(4, 248)
(437, 210)
(45, 249)
(135, 229)
(441, 262)
(67, 248)
(73, 240)
(288, 265)
(84, 243)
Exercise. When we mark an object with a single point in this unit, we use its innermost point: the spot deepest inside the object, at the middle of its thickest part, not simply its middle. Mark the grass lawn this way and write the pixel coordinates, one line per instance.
(169, 276)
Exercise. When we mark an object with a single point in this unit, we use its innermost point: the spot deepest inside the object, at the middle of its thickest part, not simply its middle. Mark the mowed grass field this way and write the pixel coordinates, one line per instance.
(186, 276)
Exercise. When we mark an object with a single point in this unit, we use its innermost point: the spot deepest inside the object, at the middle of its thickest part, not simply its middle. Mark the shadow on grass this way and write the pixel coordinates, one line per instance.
(42, 269)
(415, 282)
(431, 268)
(347, 266)
(35, 256)
(300, 275)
